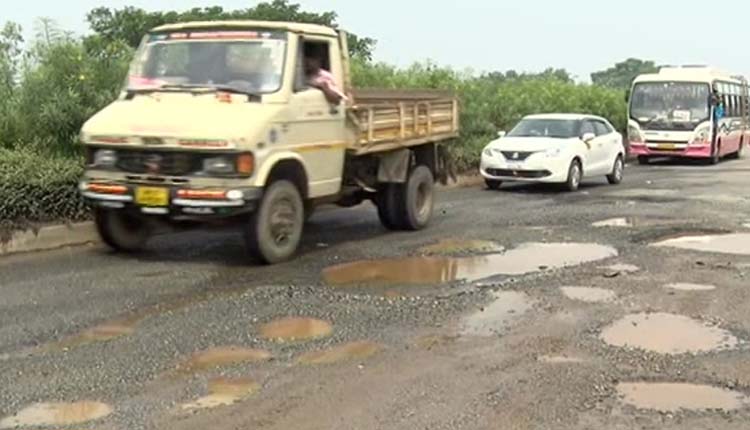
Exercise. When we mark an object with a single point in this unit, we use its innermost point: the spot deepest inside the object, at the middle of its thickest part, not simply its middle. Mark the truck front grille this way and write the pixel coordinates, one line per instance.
(159, 163)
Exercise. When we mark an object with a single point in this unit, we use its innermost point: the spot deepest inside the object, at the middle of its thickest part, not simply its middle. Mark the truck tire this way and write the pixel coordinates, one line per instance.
(388, 202)
(275, 228)
(417, 199)
(121, 230)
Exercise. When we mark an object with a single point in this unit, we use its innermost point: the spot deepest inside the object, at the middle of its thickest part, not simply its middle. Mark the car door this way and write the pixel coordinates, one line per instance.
(589, 156)
(612, 145)
(601, 148)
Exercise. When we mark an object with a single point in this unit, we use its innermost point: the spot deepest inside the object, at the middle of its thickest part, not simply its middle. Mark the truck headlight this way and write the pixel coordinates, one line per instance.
(105, 158)
(223, 165)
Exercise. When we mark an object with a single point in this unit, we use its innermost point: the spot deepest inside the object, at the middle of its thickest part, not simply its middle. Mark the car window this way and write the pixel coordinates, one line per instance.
(601, 128)
(587, 127)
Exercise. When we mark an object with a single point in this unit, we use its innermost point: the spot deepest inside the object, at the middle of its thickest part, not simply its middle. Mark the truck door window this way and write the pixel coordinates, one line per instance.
(311, 54)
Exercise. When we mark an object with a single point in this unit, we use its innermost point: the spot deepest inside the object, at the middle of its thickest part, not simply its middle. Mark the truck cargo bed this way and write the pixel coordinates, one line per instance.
(390, 119)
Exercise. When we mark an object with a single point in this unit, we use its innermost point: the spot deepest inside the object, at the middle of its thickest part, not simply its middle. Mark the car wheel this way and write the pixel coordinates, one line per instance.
(618, 170)
(122, 231)
(493, 184)
(575, 173)
(275, 228)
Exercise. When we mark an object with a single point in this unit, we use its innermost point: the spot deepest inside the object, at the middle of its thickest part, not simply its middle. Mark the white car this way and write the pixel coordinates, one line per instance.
(555, 148)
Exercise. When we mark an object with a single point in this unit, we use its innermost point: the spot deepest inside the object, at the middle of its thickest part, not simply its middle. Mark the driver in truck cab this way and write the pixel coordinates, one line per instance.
(318, 77)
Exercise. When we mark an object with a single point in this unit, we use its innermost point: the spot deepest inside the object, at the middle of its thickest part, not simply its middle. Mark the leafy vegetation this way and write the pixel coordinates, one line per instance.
(50, 86)
(622, 74)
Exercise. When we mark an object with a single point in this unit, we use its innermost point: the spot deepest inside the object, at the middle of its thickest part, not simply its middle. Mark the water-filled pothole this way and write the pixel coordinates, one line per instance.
(57, 414)
(296, 329)
(498, 316)
(341, 353)
(686, 286)
(588, 294)
(673, 397)
(462, 246)
(737, 244)
(622, 268)
(224, 392)
(527, 258)
(667, 334)
(222, 356)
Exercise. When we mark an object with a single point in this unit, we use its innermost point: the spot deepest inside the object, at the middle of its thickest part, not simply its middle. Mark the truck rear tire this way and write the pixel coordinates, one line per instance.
(275, 228)
(121, 230)
(417, 199)
(388, 202)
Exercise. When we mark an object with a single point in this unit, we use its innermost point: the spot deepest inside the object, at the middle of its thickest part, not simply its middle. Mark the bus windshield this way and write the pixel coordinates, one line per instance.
(670, 105)
(242, 61)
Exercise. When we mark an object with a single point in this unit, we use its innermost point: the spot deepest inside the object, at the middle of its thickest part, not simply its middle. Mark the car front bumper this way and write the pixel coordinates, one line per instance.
(534, 169)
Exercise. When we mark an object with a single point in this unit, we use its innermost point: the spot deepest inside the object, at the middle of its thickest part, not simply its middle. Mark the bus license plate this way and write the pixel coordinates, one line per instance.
(666, 146)
(152, 196)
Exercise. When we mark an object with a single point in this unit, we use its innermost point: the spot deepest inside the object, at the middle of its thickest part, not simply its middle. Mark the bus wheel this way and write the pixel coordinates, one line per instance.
(740, 151)
(643, 160)
(716, 157)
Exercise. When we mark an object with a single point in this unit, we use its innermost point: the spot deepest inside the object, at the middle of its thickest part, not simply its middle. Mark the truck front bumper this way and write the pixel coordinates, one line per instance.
(171, 201)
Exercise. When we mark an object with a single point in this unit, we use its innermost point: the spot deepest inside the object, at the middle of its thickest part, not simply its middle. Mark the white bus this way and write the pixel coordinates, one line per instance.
(688, 111)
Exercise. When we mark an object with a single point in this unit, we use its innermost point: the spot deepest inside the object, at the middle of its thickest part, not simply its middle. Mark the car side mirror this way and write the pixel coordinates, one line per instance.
(588, 137)
(501, 134)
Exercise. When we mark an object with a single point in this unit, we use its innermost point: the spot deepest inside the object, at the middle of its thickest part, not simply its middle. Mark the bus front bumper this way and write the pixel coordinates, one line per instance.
(689, 151)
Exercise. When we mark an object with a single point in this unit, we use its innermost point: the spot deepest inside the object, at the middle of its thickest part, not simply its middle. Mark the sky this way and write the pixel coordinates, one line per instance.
(581, 36)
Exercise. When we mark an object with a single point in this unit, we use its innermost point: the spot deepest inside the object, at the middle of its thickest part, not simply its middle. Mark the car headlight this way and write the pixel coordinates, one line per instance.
(223, 165)
(105, 158)
(488, 152)
(552, 153)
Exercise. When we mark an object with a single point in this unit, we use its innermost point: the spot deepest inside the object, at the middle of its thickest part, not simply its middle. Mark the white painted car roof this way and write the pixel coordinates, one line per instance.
(564, 116)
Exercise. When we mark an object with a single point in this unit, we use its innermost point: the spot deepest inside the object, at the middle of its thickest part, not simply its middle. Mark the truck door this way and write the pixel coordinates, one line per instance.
(317, 130)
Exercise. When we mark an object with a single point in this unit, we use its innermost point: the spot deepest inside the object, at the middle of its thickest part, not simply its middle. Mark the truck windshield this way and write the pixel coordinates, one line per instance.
(243, 61)
(556, 128)
(670, 105)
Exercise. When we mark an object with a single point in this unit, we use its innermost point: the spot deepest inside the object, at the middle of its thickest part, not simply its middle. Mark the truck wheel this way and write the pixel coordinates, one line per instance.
(122, 231)
(418, 199)
(388, 203)
(275, 228)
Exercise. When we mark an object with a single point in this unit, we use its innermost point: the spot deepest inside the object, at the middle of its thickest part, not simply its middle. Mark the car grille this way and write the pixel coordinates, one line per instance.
(159, 163)
(530, 174)
(516, 155)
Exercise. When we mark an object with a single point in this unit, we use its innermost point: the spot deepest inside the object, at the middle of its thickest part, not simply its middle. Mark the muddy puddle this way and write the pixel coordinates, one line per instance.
(673, 397)
(101, 333)
(497, 317)
(342, 353)
(589, 295)
(462, 246)
(222, 357)
(634, 221)
(433, 341)
(224, 392)
(57, 415)
(667, 334)
(613, 222)
(622, 268)
(736, 244)
(527, 258)
(296, 329)
(686, 286)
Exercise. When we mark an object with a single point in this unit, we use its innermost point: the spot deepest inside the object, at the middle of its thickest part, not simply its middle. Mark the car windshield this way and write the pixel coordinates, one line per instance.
(244, 61)
(555, 128)
(670, 105)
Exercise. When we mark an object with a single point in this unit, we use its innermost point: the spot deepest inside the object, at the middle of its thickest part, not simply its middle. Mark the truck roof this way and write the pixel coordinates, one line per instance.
(294, 27)
(688, 74)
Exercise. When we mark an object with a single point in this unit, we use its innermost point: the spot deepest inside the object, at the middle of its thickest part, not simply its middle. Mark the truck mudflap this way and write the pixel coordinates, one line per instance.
(171, 201)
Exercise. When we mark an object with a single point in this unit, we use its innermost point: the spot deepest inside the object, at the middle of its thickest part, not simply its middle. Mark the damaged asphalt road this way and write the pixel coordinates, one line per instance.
(523, 308)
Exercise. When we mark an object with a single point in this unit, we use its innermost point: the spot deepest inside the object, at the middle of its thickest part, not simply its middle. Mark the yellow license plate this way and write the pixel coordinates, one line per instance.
(152, 196)
(666, 146)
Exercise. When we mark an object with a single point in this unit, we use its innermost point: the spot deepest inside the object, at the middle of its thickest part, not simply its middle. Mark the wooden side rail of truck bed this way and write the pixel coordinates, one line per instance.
(390, 119)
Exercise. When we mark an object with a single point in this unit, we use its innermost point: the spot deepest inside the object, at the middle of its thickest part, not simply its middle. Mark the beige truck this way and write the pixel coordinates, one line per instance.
(218, 122)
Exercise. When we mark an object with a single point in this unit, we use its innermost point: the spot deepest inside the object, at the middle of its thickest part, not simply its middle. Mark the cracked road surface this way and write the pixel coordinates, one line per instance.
(523, 308)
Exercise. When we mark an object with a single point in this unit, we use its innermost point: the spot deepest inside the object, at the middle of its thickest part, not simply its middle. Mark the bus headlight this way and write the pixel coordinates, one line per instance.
(634, 135)
(702, 136)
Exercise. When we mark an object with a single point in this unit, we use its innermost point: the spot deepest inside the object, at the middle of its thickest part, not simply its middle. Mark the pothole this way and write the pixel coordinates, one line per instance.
(527, 258)
(736, 244)
(674, 397)
(224, 392)
(559, 359)
(296, 329)
(589, 295)
(222, 356)
(613, 222)
(622, 268)
(432, 341)
(633, 221)
(461, 246)
(57, 414)
(342, 353)
(667, 334)
(683, 286)
(498, 316)
(101, 333)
